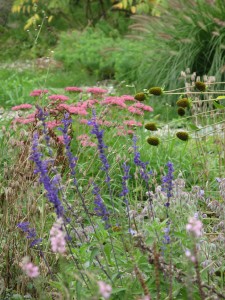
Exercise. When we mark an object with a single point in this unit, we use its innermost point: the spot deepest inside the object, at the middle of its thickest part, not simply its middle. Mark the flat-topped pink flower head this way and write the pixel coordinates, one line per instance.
(96, 90)
(114, 101)
(53, 124)
(73, 89)
(24, 121)
(37, 93)
(22, 106)
(127, 98)
(135, 111)
(142, 106)
(58, 98)
(132, 123)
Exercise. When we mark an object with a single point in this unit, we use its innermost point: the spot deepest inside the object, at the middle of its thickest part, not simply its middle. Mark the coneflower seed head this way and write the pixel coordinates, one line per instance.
(182, 135)
(140, 96)
(153, 140)
(151, 126)
(157, 91)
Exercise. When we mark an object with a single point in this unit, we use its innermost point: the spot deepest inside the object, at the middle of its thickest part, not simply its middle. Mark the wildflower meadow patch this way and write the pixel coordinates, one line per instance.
(94, 206)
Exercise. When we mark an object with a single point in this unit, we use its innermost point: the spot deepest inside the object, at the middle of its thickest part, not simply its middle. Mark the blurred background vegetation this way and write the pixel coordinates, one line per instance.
(141, 42)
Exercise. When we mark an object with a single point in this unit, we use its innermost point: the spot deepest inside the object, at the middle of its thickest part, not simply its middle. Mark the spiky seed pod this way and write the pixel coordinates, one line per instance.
(157, 91)
(182, 135)
(201, 86)
(140, 96)
(153, 140)
(181, 111)
(151, 126)
(183, 102)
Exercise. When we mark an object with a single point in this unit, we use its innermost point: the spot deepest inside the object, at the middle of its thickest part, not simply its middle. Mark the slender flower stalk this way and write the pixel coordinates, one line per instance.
(67, 121)
(167, 183)
(101, 150)
(145, 175)
(42, 115)
(100, 207)
(125, 191)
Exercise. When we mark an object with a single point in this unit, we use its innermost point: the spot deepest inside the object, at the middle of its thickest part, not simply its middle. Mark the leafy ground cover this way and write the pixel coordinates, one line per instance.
(101, 198)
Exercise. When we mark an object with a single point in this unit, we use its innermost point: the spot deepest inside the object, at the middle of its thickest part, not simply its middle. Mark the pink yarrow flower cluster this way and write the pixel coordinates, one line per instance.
(29, 268)
(131, 123)
(96, 90)
(22, 106)
(74, 89)
(53, 124)
(58, 98)
(127, 98)
(37, 93)
(142, 106)
(105, 289)
(73, 109)
(194, 226)
(123, 132)
(118, 101)
(135, 111)
(58, 237)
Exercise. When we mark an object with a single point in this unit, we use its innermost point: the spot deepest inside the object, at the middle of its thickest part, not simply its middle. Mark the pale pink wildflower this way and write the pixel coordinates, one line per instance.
(37, 93)
(189, 255)
(83, 121)
(58, 98)
(58, 237)
(29, 268)
(73, 89)
(194, 226)
(104, 289)
(22, 106)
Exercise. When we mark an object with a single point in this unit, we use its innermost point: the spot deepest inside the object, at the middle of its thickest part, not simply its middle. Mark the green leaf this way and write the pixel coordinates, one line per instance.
(94, 253)
(107, 249)
(220, 97)
(193, 127)
(217, 105)
(118, 290)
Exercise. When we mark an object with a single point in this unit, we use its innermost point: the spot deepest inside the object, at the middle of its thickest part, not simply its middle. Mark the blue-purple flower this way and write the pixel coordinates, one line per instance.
(100, 207)
(42, 169)
(167, 183)
(142, 165)
(31, 233)
(101, 146)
